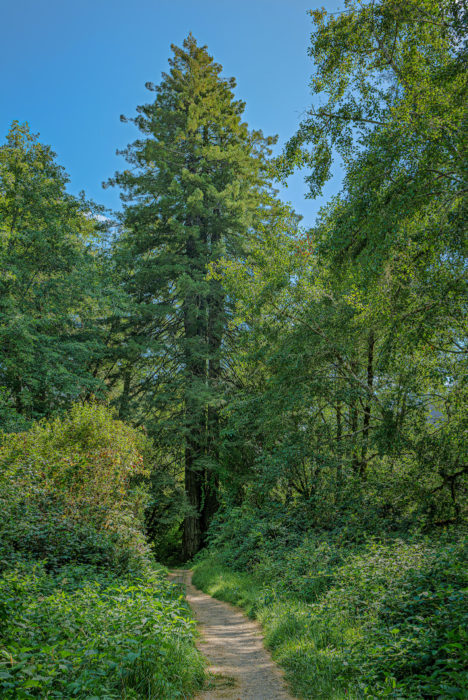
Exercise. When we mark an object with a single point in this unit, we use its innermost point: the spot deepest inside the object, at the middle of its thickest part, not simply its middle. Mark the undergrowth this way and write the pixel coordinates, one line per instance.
(84, 633)
(85, 612)
(379, 618)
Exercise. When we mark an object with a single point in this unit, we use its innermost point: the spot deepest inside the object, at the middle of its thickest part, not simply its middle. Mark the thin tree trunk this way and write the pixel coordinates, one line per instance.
(368, 407)
(125, 397)
(339, 433)
(353, 411)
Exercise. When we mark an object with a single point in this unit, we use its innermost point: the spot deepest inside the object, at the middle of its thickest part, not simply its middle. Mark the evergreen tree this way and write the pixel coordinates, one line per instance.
(50, 289)
(193, 194)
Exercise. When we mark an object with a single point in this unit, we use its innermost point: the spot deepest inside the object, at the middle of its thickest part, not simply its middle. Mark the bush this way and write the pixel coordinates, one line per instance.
(70, 490)
(84, 611)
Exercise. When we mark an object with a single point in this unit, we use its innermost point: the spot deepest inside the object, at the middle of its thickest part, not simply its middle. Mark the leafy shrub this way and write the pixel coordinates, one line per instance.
(421, 639)
(70, 491)
(10, 420)
(84, 612)
(242, 536)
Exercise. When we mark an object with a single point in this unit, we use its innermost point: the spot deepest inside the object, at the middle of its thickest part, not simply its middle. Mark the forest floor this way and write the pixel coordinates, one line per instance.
(240, 667)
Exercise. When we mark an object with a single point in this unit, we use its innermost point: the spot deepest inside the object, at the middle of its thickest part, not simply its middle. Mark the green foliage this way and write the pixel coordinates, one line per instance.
(313, 382)
(194, 192)
(10, 420)
(239, 588)
(393, 70)
(83, 633)
(51, 298)
(350, 371)
(84, 611)
(375, 619)
(70, 490)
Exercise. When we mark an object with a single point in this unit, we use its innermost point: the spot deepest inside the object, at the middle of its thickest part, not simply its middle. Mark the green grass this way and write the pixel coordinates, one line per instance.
(225, 584)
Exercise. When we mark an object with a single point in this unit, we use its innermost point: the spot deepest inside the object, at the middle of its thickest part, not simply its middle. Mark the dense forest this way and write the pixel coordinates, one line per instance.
(201, 379)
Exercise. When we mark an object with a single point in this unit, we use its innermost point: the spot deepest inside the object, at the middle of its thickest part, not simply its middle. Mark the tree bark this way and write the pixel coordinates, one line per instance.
(192, 532)
(339, 433)
(353, 415)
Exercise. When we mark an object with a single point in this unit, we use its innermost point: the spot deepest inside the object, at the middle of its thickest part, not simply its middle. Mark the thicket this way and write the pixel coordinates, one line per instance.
(84, 609)
(343, 459)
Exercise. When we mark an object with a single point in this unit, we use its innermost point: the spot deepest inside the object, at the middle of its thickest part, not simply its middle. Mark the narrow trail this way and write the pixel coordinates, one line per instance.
(241, 667)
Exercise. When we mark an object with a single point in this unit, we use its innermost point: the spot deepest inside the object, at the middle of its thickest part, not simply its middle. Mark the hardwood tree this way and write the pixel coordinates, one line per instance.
(363, 337)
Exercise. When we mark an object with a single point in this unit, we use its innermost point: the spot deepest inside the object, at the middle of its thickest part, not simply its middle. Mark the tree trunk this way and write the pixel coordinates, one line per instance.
(367, 408)
(339, 446)
(195, 414)
(192, 533)
(215, 329)
(353, 420)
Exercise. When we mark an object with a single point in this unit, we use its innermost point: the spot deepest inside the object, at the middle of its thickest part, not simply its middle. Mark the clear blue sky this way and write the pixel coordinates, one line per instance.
(71, 67)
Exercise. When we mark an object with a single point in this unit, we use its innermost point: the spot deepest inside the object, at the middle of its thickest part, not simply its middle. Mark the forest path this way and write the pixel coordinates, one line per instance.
(240, 666)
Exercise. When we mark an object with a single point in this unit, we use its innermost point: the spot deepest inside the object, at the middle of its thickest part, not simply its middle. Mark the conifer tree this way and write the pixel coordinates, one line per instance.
(193, 194)
(51, 300)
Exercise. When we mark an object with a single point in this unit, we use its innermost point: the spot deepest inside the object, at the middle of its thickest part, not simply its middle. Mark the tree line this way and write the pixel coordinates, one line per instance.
(322, 369)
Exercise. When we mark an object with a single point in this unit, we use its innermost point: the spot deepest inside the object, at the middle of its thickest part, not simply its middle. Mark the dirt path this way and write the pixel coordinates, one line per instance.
(241, 667)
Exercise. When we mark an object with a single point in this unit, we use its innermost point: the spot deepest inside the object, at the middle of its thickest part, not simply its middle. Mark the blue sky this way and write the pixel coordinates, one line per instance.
(71, 67)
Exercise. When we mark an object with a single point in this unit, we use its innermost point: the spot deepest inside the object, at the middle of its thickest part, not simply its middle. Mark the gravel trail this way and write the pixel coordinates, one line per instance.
(240, 666)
